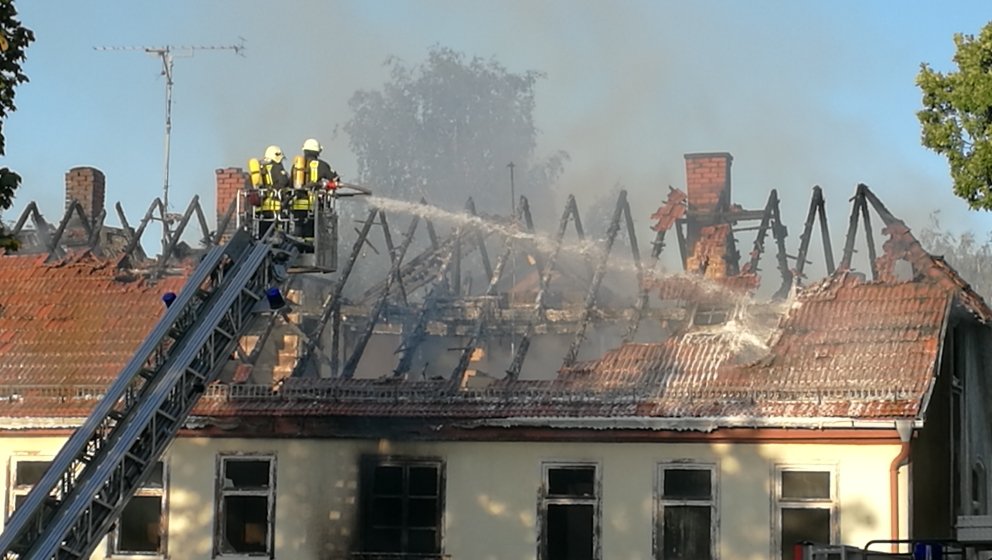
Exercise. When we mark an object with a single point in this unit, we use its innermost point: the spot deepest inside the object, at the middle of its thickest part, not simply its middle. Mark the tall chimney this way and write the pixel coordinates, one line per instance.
(87, 186)
(230, 181)
(709, 236)
(707, 179)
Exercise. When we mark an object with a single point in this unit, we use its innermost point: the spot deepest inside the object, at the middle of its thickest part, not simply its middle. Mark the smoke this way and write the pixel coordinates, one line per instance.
(799, 94)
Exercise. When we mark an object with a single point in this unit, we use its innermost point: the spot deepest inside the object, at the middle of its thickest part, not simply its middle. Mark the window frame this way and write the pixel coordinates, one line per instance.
(661, 502)
(13, 490)
(221, 492)
(545, 498)
(144, 490)
(830, 504)
(367, 465)
(713, 314)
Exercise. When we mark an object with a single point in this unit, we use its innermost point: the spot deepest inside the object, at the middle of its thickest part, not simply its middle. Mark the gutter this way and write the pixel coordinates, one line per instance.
(703, 424)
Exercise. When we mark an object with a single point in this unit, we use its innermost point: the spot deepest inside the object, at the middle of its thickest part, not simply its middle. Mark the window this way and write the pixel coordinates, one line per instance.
(805, 508)
(141, 527)
(402, 505)
(25, 473)
(706, 315)
(569, 512)
(685, 521)
(245, 505)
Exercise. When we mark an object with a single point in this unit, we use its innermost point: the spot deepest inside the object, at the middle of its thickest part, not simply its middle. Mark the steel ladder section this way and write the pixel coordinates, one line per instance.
(99, 498)
(121, 396)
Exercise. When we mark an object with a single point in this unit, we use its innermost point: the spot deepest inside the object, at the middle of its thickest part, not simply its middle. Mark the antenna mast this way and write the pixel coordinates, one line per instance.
(167, 54)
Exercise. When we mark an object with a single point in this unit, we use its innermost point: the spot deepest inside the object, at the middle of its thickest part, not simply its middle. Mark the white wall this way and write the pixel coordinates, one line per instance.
(492, 492)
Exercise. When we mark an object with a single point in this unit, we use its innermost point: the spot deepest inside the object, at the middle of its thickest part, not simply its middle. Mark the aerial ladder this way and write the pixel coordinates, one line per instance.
(105, 461)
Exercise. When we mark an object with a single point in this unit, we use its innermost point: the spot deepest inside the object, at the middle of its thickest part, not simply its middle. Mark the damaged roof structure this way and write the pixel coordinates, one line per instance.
(446, 345)
(797, 359)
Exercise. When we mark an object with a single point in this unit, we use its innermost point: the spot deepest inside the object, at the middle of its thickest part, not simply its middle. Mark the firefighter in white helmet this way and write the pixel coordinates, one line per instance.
(317, 172)
(274, 170)
(310, 175)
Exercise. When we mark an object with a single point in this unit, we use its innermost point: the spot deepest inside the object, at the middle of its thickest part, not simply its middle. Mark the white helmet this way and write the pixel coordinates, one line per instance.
(312, 145)
(274, 154)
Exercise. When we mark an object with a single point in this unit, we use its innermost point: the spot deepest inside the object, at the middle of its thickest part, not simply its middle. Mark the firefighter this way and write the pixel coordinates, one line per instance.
(311, 176)
(274, 191)
(318, 171)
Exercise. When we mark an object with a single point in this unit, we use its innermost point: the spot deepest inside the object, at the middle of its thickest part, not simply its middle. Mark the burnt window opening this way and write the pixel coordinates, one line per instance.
(25, 474)
(711, 314)
(569, 512)
(141, 527)
(245, 505)
(805, 507)
(402, 505)
(685, 522)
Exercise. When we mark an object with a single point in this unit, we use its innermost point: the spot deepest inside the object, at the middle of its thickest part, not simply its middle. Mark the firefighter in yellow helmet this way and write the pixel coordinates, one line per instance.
(275, 188)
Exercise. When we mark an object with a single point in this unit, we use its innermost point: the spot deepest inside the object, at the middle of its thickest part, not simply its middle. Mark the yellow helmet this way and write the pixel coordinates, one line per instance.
(312, 145)
(274, 154)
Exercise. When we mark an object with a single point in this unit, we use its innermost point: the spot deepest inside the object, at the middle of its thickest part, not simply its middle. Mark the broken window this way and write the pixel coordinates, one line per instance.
(26, 472)
(707, 314)
(685, 522)
(805, 507)
(245, 505)
(569, 511)
(402, 505)
(141, 528)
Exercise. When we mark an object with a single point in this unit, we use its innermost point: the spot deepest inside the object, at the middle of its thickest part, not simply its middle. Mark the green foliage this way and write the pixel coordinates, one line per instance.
(14, 40)
(446, 130)
(956, 117)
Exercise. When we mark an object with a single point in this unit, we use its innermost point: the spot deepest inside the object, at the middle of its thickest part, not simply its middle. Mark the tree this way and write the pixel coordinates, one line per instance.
(14, 40)
(971, 259)
(956, 117)
(447, 129)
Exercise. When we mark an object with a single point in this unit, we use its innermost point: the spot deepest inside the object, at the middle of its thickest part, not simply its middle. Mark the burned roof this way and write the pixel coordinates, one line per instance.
(842, 348)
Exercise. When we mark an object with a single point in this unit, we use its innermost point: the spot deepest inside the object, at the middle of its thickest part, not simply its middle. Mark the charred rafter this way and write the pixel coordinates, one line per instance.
(352, 363)
(570, 215)
(331, 309)
(597, 279)
(458, 375)
(859, 212)
(413, 337)
(817, 212)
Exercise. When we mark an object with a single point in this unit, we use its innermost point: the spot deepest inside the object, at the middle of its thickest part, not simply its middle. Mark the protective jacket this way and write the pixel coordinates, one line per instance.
(276, 176)
(317, 169)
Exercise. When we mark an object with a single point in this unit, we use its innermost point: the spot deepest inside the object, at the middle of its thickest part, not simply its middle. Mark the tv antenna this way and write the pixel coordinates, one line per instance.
(167, 54)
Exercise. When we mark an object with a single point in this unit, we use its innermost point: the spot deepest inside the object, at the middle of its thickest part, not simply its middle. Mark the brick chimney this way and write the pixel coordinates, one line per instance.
(88, 186)
(707, 179)
(230, 181)
(712, 248)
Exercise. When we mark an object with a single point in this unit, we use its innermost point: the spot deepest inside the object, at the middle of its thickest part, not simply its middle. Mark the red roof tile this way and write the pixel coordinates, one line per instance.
(75, 322)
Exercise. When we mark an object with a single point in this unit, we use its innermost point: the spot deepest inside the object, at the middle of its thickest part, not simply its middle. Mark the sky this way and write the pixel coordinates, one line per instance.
(800, 93)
